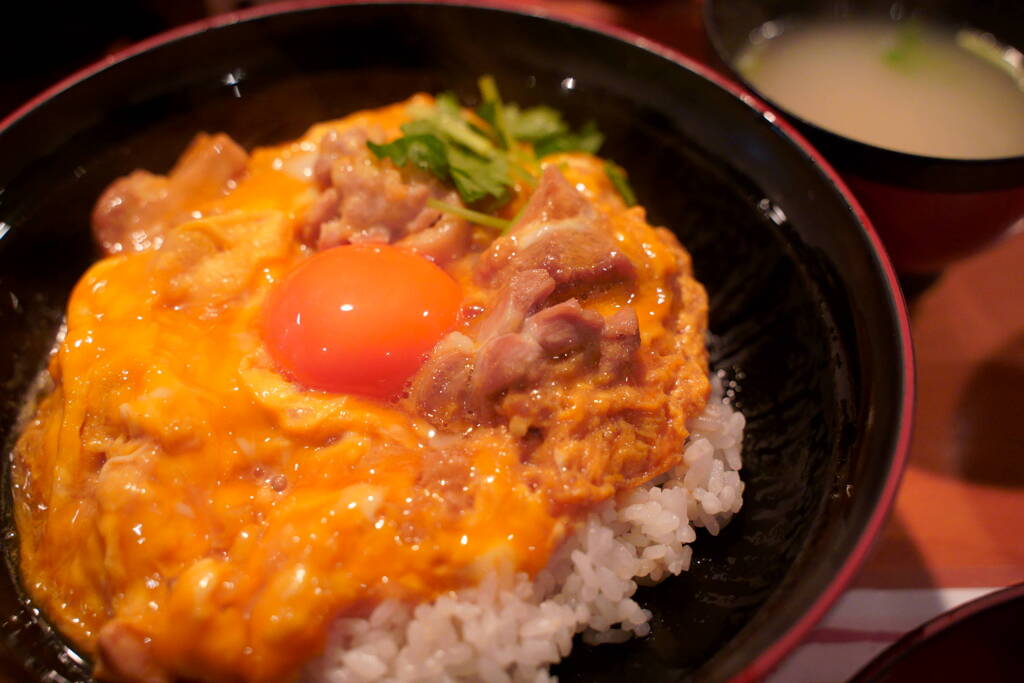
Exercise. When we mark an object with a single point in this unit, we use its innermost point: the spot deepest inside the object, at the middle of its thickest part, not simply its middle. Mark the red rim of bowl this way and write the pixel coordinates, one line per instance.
(771, 657)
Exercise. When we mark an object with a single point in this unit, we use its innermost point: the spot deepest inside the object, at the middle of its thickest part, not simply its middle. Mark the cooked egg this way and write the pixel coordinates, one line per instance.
(219, 473)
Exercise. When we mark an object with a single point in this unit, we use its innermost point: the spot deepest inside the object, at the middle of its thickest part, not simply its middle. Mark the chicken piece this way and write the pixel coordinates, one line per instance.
(564, 327)
(562, 233)
(440, 388)
(620, 340)
(136, 211)
(502, 362)
(367, 200)
(522, 295)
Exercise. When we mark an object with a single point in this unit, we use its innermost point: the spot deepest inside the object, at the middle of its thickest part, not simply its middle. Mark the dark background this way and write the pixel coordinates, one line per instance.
(44, 41)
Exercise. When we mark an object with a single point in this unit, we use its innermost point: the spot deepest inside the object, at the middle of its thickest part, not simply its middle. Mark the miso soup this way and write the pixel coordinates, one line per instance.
(907, 86)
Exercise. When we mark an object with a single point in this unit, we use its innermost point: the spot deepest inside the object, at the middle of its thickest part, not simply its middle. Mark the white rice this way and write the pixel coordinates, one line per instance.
(513, 632)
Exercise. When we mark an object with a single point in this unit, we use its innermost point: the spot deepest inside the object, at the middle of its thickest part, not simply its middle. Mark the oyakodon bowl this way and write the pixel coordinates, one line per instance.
(930, 211)
(807, 321)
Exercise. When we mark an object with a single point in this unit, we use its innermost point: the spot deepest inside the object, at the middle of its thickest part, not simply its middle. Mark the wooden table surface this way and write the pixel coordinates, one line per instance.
(960, 509)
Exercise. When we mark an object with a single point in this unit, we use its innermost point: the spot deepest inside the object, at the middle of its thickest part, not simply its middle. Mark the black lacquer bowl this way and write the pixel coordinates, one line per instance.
(806, 314)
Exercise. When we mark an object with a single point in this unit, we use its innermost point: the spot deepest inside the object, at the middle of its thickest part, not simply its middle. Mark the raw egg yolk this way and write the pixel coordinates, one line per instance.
(359, 319)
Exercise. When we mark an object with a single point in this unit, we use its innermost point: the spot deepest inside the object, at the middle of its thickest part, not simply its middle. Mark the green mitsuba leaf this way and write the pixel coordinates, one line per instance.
(535, 123)
(425, 151)
(482, 164)
(587, 139)
(476, 178)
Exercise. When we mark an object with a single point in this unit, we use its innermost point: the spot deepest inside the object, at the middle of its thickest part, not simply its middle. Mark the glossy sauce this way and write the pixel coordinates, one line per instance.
(177, 484)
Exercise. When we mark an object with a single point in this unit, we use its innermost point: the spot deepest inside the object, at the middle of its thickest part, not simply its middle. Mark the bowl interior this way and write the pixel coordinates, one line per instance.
(806, 329)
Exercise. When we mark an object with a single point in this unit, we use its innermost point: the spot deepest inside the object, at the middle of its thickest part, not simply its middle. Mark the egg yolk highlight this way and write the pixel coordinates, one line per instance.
(359, 319)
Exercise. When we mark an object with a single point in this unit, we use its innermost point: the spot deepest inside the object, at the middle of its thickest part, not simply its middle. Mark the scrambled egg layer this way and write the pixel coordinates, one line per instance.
(176, 484)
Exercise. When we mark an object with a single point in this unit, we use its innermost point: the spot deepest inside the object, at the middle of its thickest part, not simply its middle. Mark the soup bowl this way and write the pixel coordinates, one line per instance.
(807, 323)
(929, 210)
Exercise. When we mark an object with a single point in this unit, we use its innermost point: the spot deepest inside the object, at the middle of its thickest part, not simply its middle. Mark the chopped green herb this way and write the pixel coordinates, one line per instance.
(476, 178)
(448, 104)
(617, 175)
(587, 139)
(484, 160)
(456, 128)
(535, 123)
(495, 109)
(469, 214)
(906, 47)
(424, 151)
